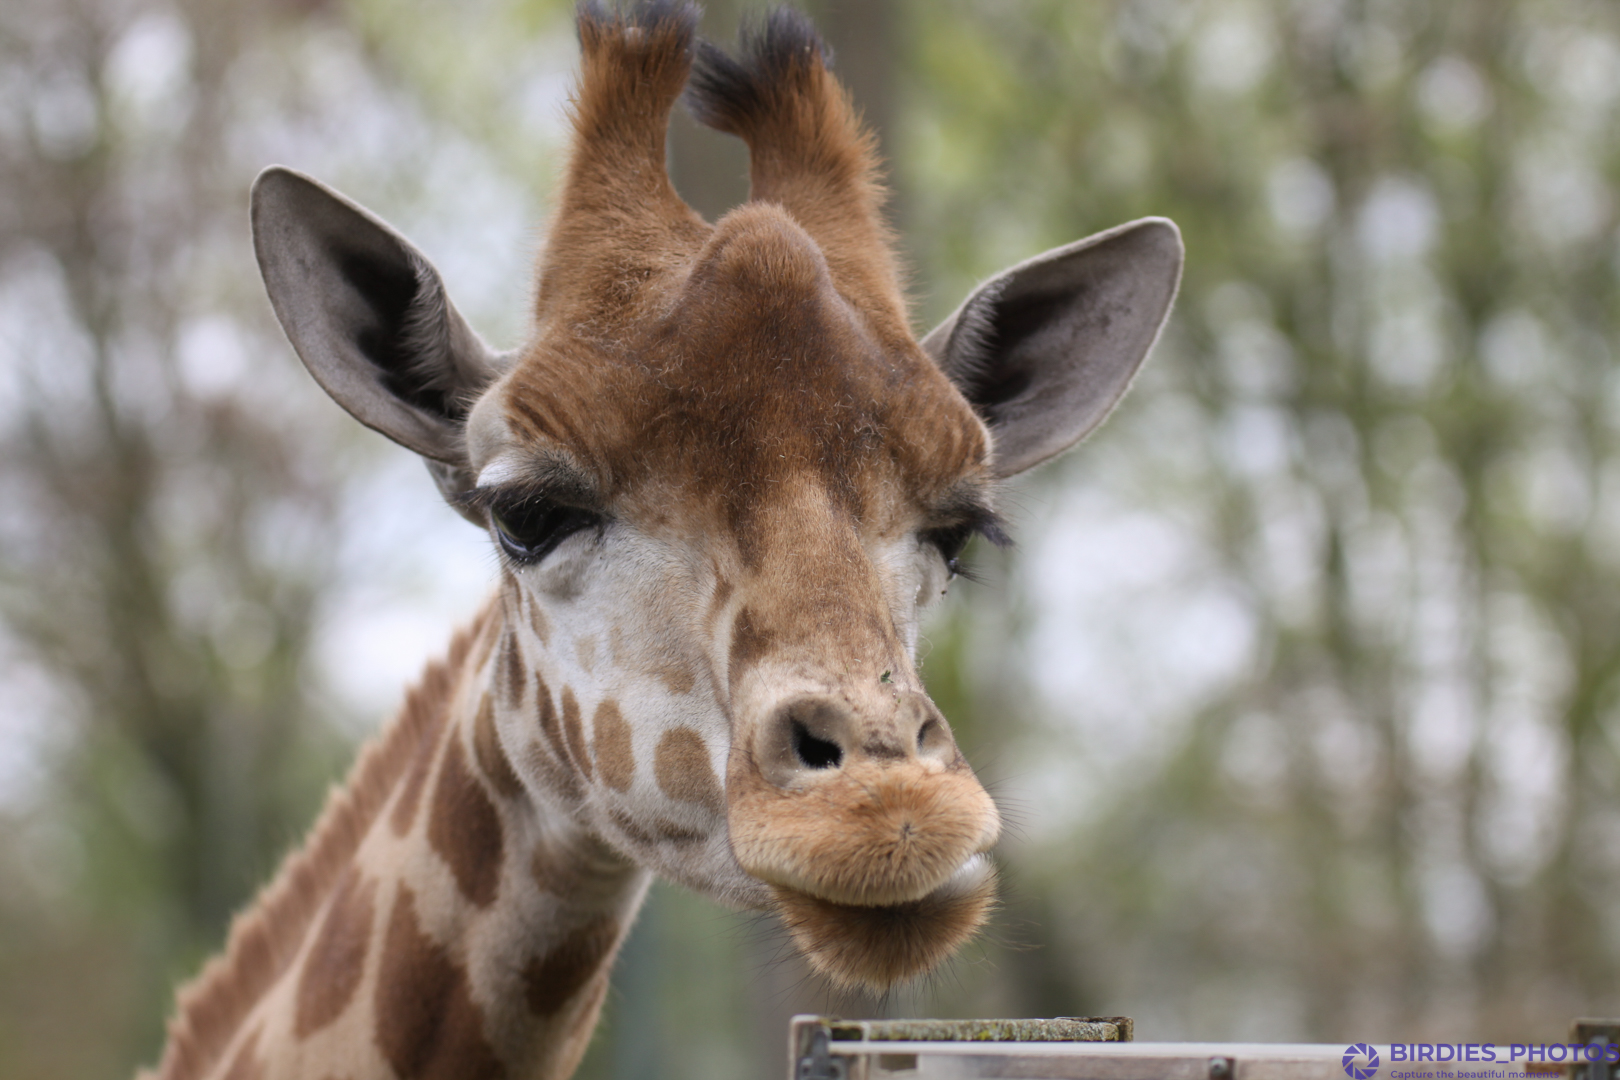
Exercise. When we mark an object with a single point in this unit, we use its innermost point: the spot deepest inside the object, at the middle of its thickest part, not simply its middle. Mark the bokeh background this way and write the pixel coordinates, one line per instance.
(1302, 688)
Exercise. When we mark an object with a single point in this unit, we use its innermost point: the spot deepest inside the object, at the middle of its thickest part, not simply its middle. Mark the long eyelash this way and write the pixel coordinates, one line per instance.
(547, 479)
(486, 498)
(990, 526)
(966, 571)
(477, 498)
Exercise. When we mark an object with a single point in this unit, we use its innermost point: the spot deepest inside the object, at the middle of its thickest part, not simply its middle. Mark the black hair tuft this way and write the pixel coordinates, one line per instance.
(681, 15)
(725, 91)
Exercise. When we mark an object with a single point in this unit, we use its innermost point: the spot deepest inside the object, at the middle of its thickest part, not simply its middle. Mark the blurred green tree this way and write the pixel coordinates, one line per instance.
(157, 582)
(1365, 491)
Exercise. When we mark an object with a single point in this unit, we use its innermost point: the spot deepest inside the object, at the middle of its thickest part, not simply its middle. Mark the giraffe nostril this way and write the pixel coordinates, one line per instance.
(815, 753)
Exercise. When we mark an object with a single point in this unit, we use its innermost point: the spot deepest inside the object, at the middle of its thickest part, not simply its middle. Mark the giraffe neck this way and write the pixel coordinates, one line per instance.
(439, 922)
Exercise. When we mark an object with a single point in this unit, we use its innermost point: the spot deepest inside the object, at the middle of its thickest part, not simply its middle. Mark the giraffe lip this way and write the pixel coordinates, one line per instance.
(965, 878)
(875, 946)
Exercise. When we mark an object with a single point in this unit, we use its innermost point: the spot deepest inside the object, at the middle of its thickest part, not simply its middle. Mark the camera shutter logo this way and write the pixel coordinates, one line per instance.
(1356, 1068)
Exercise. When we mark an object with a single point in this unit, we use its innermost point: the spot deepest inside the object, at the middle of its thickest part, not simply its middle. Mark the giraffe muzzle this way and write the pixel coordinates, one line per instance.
(871, 830)
(854, 803)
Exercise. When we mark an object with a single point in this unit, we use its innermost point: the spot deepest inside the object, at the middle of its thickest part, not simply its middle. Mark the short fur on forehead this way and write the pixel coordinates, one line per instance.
(759, 369)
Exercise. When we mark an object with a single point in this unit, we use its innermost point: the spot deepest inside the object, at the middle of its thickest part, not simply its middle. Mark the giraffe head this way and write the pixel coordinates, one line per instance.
(724, 479)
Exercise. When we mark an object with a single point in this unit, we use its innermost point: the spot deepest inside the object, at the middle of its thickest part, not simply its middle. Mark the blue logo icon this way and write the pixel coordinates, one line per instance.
(1355, 1067)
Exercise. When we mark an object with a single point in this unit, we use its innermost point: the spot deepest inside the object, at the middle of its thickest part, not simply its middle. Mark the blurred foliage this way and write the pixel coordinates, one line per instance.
(1372, 473)
(1300, 692)
(156, 589)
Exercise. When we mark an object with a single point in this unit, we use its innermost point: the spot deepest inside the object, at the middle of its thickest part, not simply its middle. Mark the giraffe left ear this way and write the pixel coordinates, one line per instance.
(1045, 350)
(369, 316)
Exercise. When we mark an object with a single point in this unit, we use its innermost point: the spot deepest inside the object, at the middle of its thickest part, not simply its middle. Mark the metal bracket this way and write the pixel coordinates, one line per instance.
(818, 1064)
(1601, 1035)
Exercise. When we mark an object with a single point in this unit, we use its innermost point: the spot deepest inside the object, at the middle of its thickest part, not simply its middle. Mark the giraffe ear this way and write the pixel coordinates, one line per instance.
(1045, 350)
(368, 315)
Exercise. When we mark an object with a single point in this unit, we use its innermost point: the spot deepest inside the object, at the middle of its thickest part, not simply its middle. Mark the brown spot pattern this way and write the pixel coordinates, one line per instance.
(515, 681)
(551, 981)
(684, 771)
(410, 791)
(428, 1026)
(337, 958)
(656, 832)
(631, 828)
(585, 871)
(537, 622)
(749, 641)
(551, 757)
(465, 829)
(549, 726)
(676, 676)
(212, 1010)
(553, 777)
(680, 834)
(497, 768)
(573, 728)
(614, 754)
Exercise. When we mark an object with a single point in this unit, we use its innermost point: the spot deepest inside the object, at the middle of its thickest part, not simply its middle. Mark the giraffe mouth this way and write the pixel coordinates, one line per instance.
(874, 947)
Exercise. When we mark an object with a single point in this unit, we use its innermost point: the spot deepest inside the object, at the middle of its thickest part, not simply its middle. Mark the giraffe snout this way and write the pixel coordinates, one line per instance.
(866, 804)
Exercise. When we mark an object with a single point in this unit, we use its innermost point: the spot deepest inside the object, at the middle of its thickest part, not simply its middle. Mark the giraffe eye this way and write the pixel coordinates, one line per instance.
(950, 541)
(531, 530)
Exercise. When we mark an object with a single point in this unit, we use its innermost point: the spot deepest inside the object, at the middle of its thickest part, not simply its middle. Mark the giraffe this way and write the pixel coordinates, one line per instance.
(723, 480)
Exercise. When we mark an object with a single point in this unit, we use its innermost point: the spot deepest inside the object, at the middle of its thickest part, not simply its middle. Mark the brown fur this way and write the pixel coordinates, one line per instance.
(572, 729)
(683, 771)
(577, 1039)
(551, 981)
(614, 754)
(676, 676)
(537, 623)
(550, 756)
(465, 829)
(868, 834)
(861, 947)
(809, 153)
(264, 940)
(336, 960)
(617, 217)
(558, 777)
(410, 794)
(580, 869)
(515, 674)
(492, 759)
(428, 1026)
(632, 828)
(693, 332)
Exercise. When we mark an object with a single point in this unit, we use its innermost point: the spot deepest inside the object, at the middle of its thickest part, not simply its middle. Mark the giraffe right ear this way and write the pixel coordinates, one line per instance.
(1045, 350)
(369, 317)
